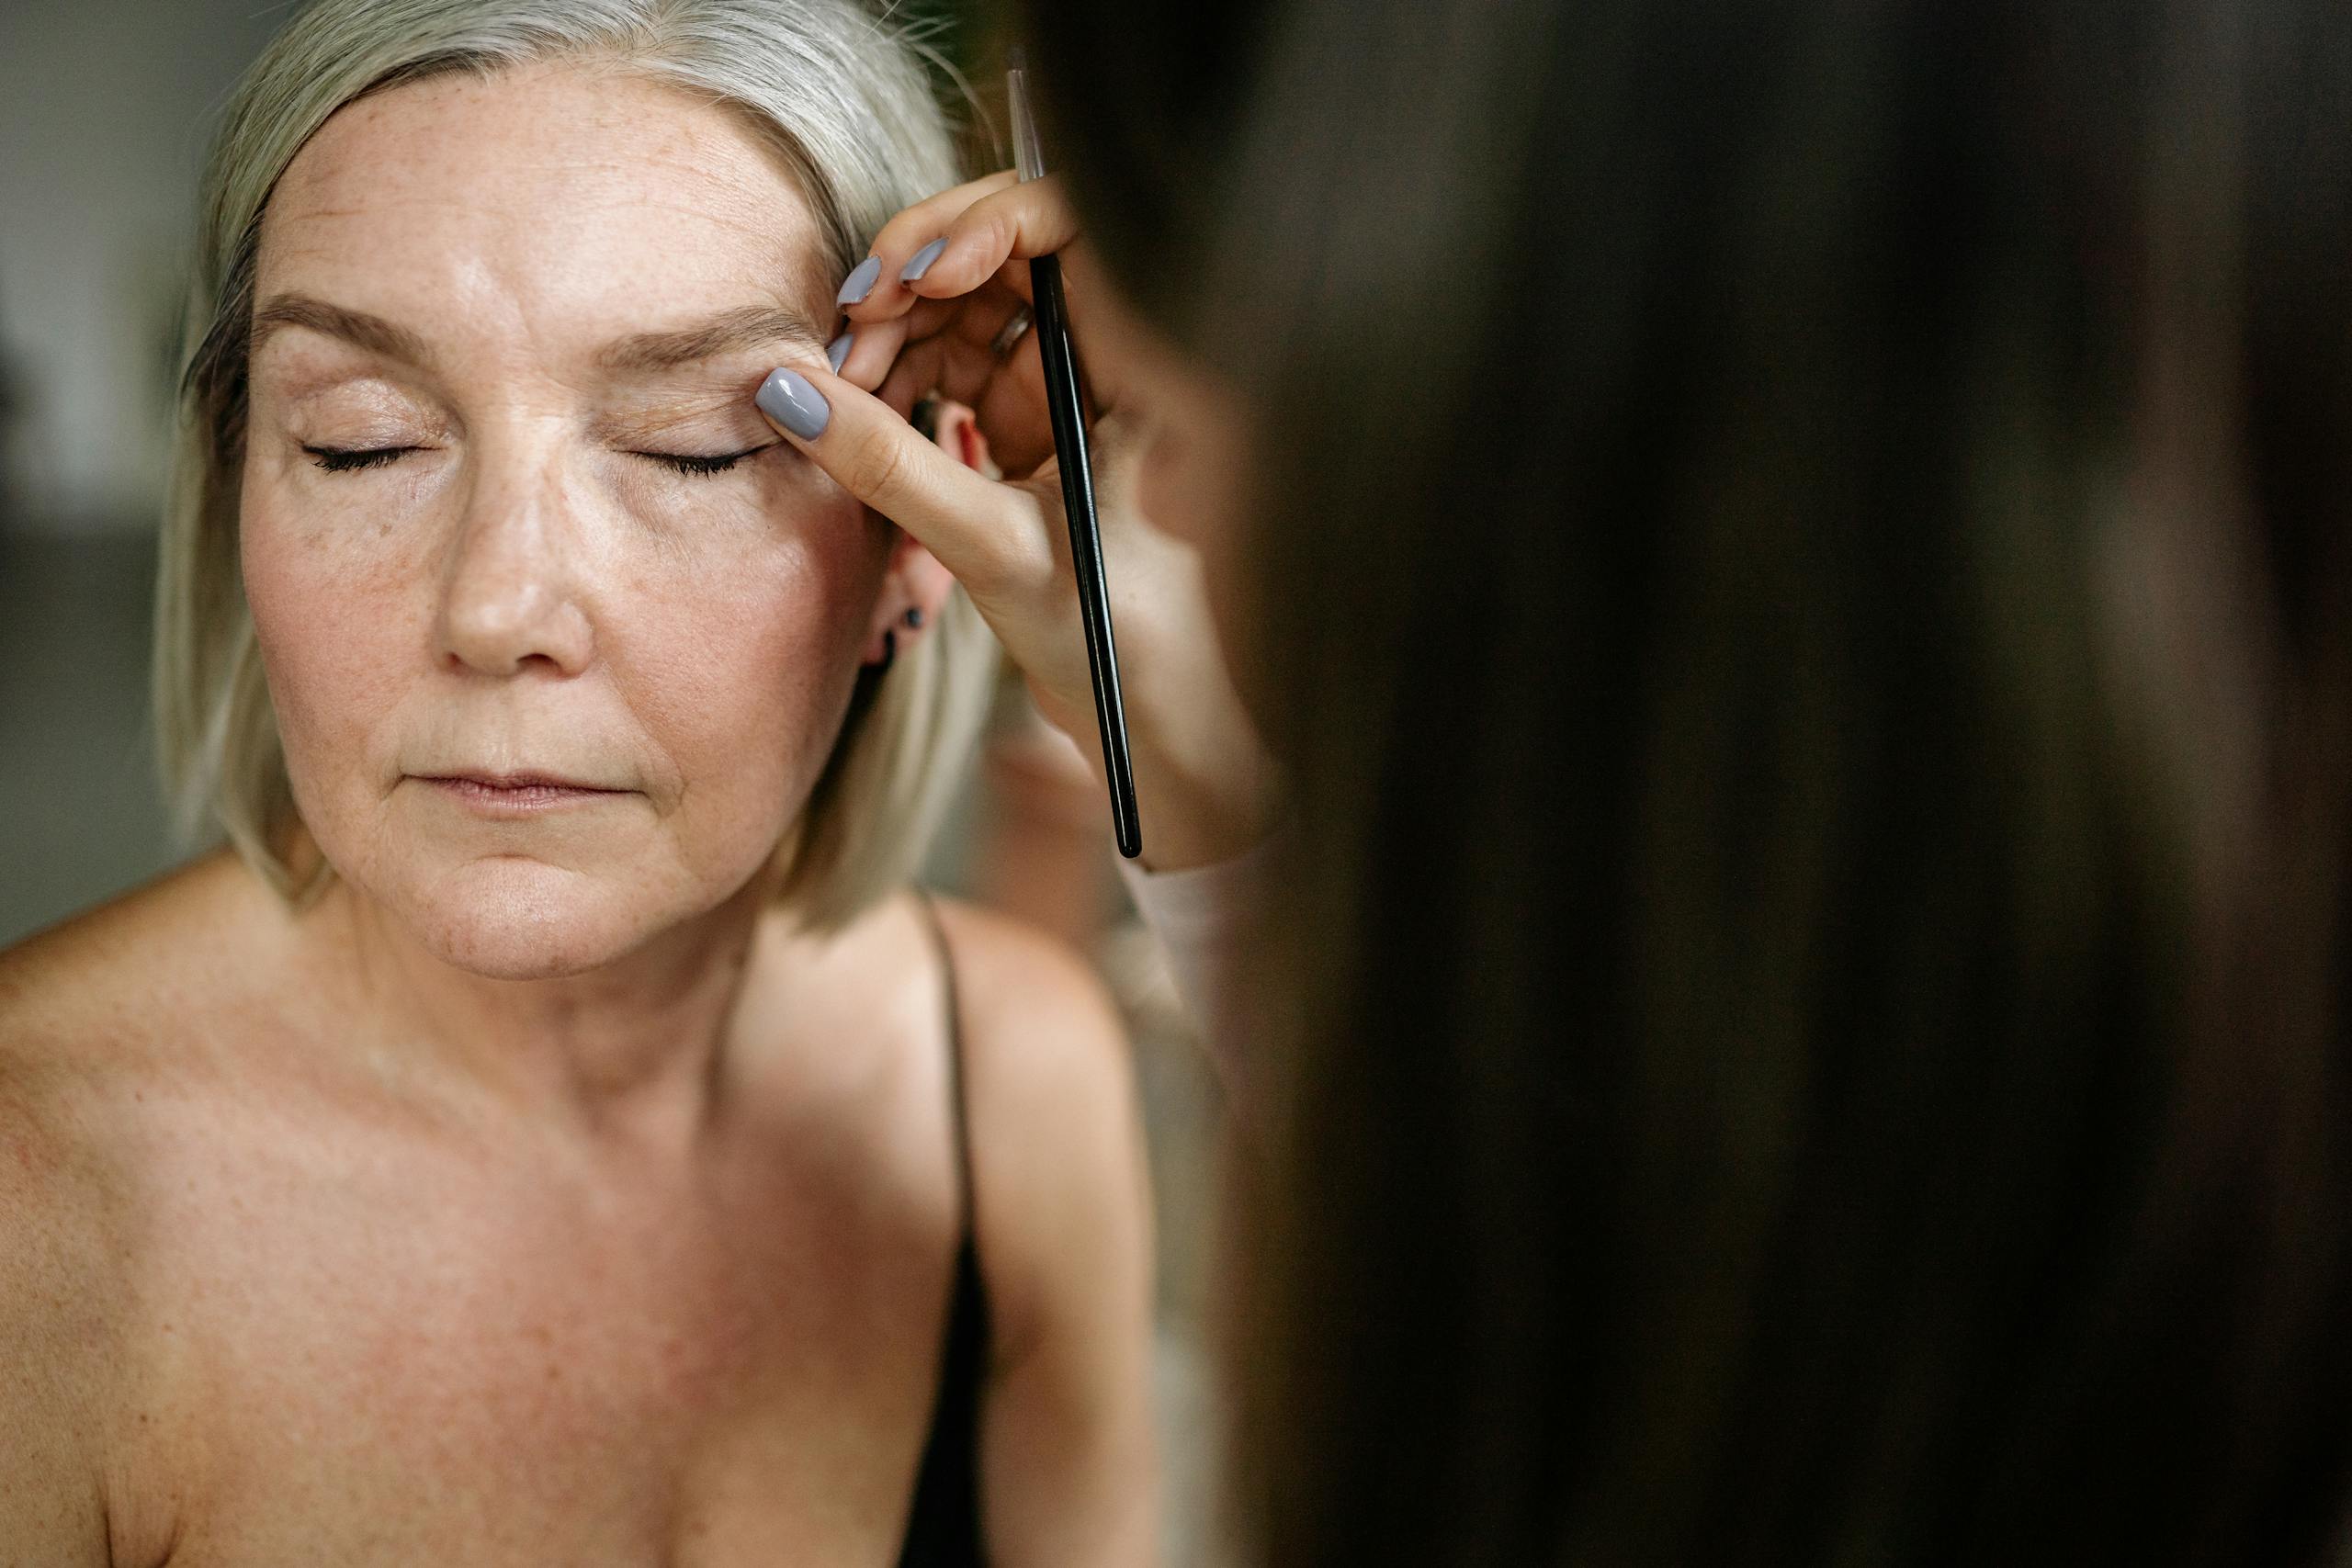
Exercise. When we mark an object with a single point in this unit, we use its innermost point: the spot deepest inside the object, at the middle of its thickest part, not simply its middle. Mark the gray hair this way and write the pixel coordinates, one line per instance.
(845, 100)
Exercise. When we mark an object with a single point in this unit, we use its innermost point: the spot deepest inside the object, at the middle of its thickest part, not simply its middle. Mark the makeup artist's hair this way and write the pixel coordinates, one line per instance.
(844, 100)
(1808, 562)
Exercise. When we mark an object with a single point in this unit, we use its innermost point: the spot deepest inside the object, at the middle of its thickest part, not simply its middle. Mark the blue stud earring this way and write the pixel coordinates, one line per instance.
(914, 618)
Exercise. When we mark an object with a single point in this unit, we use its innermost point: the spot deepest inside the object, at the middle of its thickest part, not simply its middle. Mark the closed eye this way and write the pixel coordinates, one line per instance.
(349, 459)
(691, 463)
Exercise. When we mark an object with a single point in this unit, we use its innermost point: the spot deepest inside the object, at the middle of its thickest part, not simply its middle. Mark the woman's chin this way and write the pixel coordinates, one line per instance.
(516, 919)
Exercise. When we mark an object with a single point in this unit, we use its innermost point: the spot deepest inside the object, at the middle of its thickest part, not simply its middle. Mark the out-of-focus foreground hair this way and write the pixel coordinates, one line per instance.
(844, 100)
(1806, 549)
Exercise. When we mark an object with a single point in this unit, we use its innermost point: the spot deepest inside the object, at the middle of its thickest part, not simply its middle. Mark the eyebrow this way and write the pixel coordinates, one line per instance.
(371, 333)
(745, 326)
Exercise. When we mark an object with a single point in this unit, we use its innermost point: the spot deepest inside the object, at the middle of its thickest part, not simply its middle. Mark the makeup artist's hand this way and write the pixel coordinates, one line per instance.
(1207, 789)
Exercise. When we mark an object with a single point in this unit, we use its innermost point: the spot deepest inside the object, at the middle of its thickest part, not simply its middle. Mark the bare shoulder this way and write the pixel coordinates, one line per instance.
(55, 1180)
(93, 985)
(1040, 1030)
(111, 1025)
(91, 1013)
(1061, 1193)
(82, 1007)
(1062, 1220)
(59, 1277)
(79, 1008)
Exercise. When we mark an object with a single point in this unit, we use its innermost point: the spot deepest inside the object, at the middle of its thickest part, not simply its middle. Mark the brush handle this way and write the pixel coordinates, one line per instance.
(1062, 406)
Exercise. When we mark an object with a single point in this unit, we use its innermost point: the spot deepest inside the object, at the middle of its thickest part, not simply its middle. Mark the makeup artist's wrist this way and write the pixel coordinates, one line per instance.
(1207, 789)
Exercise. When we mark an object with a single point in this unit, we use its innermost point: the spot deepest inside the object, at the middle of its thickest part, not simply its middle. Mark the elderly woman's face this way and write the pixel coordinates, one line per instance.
(558, 631)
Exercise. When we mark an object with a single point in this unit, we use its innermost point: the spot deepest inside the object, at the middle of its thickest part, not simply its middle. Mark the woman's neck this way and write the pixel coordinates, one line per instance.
(636, 1046)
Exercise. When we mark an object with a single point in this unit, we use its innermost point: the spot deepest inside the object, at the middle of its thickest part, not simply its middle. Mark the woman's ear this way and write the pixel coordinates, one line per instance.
(916, 585)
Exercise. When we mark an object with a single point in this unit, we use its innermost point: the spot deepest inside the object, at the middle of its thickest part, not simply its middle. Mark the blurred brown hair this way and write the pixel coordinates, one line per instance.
(1805, 548)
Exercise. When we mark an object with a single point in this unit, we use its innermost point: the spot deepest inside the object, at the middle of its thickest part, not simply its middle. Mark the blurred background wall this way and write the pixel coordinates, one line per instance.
(104, 111)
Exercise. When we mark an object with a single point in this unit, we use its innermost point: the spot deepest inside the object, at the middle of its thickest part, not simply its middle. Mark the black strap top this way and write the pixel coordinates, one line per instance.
(943, 1525)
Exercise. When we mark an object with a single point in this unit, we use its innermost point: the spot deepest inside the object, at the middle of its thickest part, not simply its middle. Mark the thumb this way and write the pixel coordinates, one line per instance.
(980, 530)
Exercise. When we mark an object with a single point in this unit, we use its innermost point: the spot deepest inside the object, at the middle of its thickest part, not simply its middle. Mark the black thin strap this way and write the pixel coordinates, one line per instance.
(952, 1008)
(943, 1517)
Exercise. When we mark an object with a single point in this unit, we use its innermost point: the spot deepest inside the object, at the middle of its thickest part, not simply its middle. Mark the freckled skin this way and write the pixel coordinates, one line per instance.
(543, 1194)
(524, 591)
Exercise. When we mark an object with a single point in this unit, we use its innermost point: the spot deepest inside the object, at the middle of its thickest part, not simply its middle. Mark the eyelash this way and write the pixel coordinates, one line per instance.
(351, 459)
(688, 463)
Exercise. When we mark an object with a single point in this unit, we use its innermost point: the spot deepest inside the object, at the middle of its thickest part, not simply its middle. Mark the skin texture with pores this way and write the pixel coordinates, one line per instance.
(588, 611)
(544, 1193)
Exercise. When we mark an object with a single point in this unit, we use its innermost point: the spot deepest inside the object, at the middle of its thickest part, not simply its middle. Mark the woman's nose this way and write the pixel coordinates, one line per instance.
(509, 595)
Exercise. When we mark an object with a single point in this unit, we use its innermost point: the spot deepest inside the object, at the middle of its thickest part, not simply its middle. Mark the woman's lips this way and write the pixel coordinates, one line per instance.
(515, 794)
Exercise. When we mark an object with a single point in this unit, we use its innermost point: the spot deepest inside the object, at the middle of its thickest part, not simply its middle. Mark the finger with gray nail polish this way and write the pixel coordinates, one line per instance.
(787, 397)
(920, 262)
(860, 284)
(837, 351)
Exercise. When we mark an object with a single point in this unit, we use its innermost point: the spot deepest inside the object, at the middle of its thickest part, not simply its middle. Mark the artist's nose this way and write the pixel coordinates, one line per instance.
(509, 596)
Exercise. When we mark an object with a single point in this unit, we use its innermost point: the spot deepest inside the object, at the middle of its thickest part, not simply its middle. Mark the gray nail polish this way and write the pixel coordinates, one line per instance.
(920, 262)
(860, 284)
(786, 398)
(837, 351)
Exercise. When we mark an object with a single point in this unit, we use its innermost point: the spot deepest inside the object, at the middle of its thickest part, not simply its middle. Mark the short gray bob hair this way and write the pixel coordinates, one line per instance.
(843, 99)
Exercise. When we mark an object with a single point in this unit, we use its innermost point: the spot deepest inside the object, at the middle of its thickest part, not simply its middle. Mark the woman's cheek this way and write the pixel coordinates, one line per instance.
(763, 645)
(334, 613)
(778, 683)
(333, 539)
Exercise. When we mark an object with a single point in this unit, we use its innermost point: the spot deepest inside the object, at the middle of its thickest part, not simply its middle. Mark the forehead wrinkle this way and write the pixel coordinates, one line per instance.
(670, 181)
(785, 244)
(742, 327)
(730, 180)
